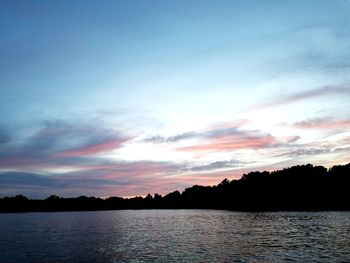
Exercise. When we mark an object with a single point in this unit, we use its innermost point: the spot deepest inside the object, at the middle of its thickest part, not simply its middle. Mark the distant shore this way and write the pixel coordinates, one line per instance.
(297, 188)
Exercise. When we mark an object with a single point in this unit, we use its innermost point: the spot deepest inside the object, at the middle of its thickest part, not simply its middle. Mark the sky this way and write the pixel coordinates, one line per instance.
(124, 98)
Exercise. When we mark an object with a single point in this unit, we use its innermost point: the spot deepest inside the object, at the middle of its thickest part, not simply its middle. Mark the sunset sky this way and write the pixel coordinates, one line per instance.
(125, 98)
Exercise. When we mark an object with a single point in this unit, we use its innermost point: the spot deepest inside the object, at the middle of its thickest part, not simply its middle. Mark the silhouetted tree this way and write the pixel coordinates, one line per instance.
(301, 187)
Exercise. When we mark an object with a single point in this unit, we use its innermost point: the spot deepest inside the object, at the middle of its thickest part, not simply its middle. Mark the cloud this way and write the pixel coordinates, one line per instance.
(224, 138)
(137, 169)
(64, 135)
(306, 151)
(42, 185)
(4, 136)
(18, 179)
(62, 157)
(238, 123)
(314, 149)
(214, 166)
(238, 141)
(212, 131)
(171, 139)
(309, 94)
(323, 123)
(120, 178)
(292, 139)
(94, 148)
(60, 143)
(220, 137)
(345, 149)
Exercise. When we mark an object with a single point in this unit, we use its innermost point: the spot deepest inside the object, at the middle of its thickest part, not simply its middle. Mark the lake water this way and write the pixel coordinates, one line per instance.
(175, 236)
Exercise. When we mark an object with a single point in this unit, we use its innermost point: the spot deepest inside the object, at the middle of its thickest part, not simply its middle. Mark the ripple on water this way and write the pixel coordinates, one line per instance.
(175, 235)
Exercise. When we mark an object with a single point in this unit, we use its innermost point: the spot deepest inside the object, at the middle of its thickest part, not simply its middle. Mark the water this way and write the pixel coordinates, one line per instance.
(175, 236)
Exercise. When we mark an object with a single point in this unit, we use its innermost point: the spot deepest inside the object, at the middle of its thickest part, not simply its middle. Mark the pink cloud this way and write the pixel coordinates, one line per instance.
(230, 143)
(323, 124)
(93, 149)
(309, 94)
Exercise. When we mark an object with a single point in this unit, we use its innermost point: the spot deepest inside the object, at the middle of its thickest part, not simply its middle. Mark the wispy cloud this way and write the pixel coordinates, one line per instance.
(58, 144)
(119, 178)
(309, 94)
(303, 151)
(42, 185)
(214, 166)
(323, 123)
(137, 169)
(313, 149)
(219, 138)
(230, 140)
(214, 130)
(93, 149)
(171, 139)
(230, 144)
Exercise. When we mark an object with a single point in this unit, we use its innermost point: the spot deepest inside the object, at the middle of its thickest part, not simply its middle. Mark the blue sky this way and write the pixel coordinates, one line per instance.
(130, 97)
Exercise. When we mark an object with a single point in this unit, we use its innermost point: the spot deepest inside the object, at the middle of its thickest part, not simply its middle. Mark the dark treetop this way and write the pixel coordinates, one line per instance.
(303, 188)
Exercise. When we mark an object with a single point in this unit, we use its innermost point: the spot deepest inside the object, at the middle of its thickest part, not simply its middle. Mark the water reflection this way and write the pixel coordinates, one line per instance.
(175, 235)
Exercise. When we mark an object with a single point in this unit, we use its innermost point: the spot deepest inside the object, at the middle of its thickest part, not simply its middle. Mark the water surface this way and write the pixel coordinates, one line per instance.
(175, 236)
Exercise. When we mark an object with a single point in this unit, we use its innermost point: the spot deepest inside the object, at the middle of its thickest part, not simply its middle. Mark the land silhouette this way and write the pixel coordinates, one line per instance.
(297, 188)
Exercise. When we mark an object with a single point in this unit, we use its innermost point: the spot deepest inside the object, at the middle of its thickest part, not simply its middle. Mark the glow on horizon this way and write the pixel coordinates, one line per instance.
(130, 98)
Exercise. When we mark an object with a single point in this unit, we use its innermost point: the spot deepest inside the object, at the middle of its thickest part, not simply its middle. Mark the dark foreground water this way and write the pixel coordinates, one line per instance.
(175, 236)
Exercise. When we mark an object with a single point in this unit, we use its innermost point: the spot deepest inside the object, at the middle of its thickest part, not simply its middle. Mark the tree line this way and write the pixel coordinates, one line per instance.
(301, 188)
